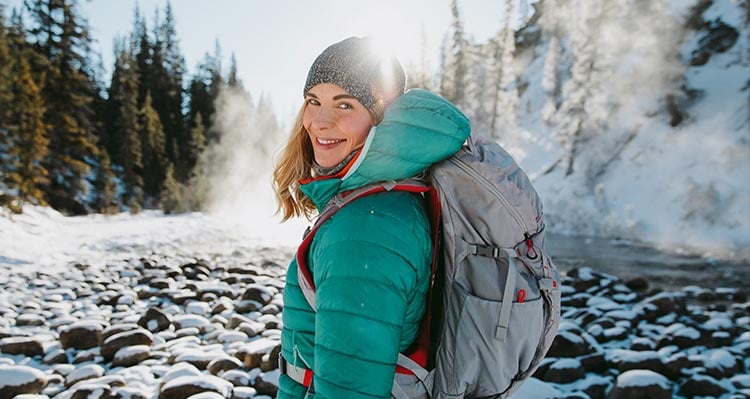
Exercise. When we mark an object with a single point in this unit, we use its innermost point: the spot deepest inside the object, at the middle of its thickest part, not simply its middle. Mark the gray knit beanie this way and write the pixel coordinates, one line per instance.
(354, 66)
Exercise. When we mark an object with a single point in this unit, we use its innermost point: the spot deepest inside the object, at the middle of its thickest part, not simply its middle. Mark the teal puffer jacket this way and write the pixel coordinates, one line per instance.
(371, 260)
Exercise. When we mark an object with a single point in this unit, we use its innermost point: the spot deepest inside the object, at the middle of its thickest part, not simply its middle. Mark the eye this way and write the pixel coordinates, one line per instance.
(345, 106)
(312, 101)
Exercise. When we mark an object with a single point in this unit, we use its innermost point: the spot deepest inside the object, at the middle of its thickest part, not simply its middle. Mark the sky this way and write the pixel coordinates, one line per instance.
(276, 41)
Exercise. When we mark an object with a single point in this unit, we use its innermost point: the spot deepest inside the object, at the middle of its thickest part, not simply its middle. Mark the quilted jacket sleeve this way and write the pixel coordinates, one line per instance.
(371, 269)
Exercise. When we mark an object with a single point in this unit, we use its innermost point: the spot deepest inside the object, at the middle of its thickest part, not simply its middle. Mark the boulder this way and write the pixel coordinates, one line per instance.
(27, 346)
(155, 320)
(131, 355)
(219, 365)
(565, 371)
(641, 384)
(17, 380)
(82, 335)
(185, 386)
(701, 385)
(116, 342)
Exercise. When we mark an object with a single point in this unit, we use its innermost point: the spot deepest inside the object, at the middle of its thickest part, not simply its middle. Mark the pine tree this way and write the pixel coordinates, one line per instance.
(233, 80)
(6, 95)
(580, 90)
(105, 187)
(455, 69)
(111, 138)
(128, 129)
(197, 142)
(170, 195)
(204, 89)
(29, 139)
(61, 38)
(153, 149)
(168, 102)
(550, 81)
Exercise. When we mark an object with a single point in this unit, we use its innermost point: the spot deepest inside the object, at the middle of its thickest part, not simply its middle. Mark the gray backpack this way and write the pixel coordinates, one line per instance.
(500, 298)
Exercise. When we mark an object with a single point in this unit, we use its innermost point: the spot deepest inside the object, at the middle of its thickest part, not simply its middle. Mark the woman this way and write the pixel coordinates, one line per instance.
(371, 261)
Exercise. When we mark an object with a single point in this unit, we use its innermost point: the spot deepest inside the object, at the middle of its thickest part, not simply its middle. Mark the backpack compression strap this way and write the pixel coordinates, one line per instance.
(307, 284)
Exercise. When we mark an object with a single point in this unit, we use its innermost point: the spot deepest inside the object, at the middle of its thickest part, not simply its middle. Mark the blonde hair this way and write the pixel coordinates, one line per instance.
(294, 164)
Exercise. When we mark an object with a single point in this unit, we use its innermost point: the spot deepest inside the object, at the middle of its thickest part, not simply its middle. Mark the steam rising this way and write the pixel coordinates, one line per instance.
(237, 169)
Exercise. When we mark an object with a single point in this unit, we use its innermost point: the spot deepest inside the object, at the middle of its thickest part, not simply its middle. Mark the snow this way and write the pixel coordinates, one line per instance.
(642, 378)
(84, 373)
(19, 375)
(90, 325)
(678, 188)
(536, 389)
(44, 239)
(209, 382)
(132, 350)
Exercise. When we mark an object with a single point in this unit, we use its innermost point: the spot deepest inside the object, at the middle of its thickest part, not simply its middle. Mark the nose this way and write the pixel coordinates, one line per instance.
(323, 119)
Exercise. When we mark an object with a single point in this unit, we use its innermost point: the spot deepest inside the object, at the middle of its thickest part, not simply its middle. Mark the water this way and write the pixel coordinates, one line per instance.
(663, 270)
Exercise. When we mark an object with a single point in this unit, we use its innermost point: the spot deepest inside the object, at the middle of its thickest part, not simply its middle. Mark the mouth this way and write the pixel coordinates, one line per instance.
(328, 142)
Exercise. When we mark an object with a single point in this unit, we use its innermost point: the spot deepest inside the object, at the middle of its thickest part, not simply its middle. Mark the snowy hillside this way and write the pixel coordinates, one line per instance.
(657, 107)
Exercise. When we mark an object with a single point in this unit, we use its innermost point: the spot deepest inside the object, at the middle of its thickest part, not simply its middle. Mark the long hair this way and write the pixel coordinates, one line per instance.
(294, 164)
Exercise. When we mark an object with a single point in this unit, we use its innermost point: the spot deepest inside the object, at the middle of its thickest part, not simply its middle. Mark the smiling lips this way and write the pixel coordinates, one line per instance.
(329, 141)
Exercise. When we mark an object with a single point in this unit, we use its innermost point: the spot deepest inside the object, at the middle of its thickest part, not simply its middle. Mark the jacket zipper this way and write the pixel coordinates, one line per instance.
(489, 186)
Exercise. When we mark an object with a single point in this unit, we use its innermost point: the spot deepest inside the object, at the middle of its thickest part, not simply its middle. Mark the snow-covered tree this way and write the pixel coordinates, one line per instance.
(454, 68)
(505, 110)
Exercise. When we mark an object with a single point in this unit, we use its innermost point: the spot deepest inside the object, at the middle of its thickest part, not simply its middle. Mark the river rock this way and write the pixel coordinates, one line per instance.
(241, 392)
(224, 363)
(16, 380)
(641, 384)
(207, 395)
(252, 353)
(701, 385)
(116, 342)
(565, 371)
(568, 344)
(83, 373)
(27, 346)
(30, 319)
(82, 335)
(266, 383)
(55, 356)
(155, 320)
(91, 391)
(259, 293)
(638, 360)
(131, 355)
(183, 387)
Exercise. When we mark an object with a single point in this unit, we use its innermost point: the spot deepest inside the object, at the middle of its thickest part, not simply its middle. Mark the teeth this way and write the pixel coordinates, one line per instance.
(328, 141)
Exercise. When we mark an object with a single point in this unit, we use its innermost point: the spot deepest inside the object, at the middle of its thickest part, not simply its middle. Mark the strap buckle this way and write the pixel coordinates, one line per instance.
(487, 250)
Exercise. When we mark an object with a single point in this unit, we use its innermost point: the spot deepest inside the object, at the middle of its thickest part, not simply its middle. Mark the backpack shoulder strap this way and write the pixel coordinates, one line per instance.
(339, 201)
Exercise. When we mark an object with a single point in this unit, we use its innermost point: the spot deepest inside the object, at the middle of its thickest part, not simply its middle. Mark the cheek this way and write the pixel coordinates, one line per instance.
(307, 118)
(359, 129)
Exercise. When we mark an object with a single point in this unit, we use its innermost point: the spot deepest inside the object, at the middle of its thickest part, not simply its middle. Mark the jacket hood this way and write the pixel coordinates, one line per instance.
(418, 129)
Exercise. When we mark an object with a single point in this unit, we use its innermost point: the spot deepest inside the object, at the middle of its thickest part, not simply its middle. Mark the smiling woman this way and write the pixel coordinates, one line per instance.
(370, 263)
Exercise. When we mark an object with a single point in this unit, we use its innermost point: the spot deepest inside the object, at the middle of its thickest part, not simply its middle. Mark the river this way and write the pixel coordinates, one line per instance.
(663, 270)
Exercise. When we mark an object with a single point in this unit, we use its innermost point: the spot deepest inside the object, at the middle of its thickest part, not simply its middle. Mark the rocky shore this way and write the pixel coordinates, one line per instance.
(175, 327)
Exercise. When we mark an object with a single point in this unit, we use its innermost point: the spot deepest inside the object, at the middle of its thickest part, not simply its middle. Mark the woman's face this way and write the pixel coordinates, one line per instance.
(336, 122)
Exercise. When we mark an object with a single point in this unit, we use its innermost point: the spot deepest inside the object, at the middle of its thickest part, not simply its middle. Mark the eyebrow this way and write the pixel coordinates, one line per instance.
(337, 97)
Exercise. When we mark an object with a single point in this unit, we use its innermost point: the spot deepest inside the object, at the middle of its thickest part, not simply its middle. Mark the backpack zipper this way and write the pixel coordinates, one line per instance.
(486, 184)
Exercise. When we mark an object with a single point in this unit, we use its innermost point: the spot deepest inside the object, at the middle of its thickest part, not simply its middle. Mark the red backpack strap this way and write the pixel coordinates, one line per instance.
(306, 282)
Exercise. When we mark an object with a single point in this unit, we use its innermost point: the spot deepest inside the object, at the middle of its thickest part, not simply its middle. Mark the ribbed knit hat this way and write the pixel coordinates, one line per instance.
(354, 65)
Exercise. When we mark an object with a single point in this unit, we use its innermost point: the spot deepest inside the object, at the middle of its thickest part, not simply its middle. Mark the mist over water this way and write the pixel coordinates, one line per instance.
(238, 168)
